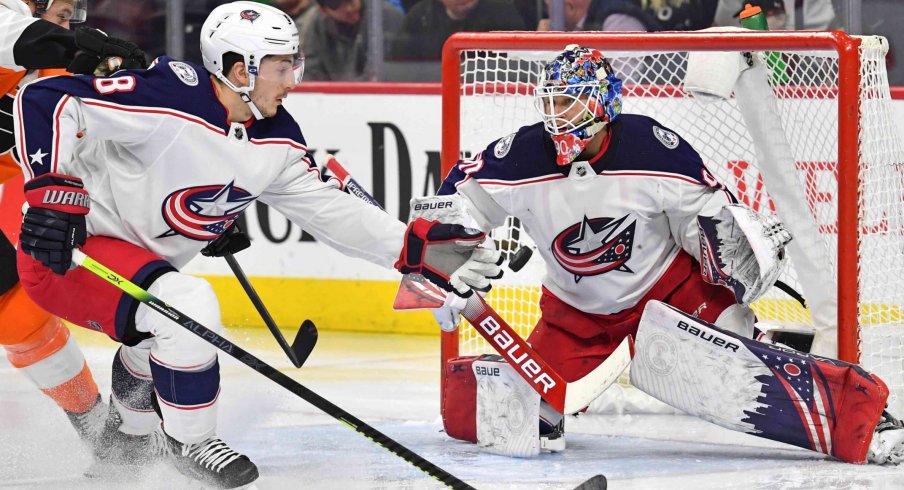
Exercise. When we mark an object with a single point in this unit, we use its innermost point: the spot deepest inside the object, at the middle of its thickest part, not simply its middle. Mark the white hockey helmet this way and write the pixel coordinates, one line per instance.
(253, 31)
(79, 9)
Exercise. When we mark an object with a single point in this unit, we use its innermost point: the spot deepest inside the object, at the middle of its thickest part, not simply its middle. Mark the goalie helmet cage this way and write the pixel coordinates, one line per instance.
(818, 107)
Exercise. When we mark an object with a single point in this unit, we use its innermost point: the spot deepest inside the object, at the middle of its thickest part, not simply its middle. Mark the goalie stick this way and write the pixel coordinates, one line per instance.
(79, 258)
(565, 397)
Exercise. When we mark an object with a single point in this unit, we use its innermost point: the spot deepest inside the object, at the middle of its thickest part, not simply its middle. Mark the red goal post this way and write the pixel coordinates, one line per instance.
(832, 116)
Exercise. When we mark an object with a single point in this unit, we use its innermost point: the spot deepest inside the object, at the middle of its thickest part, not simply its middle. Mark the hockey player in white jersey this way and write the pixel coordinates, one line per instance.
(167, 158)
(636, 234)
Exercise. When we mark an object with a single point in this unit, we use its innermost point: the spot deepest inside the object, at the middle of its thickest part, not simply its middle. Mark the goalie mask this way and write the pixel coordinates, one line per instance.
(253, 31)
(78, 13)
(577, 96)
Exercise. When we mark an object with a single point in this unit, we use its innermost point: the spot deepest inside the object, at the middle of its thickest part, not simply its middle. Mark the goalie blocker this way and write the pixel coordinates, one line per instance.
(770, 391)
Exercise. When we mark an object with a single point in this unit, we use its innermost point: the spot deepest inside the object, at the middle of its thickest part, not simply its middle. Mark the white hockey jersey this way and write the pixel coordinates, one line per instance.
(168, 172)
(608, 228)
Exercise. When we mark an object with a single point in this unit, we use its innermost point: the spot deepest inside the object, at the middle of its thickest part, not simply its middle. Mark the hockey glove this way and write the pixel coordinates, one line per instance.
(54, 223)
(742, 250)
(95, 50)
(233, 241)
(449, 256)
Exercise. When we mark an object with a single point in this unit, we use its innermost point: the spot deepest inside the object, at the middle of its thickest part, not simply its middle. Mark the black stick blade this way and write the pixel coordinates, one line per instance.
(304, 343)
(597, 482)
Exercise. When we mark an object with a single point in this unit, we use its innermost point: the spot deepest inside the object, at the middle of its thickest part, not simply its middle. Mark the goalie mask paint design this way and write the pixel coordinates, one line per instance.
(577, 78)
(595, 246)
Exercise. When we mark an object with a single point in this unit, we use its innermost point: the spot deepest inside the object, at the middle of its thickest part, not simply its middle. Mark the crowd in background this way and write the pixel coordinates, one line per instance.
(334, 33)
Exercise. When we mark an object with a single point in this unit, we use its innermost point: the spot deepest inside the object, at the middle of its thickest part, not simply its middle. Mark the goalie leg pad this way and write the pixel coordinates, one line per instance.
(574, 342)
(773, 392)
(487, 402)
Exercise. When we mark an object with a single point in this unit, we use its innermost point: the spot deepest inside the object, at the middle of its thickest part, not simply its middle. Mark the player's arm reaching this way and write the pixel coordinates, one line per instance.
(447, 254)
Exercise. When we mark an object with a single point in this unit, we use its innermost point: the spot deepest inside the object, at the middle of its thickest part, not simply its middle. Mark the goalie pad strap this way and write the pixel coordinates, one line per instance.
(773, 392)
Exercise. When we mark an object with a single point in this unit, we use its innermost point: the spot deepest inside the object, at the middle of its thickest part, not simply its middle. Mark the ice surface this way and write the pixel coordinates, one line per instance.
(392, 383)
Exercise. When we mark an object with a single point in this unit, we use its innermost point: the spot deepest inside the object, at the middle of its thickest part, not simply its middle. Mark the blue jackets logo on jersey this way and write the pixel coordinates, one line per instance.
(595, 246)
(204, 212)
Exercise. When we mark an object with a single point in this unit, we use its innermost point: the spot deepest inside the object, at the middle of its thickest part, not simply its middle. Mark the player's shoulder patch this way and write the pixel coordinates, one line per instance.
(185, 72)
(668, 139)
(503, 146)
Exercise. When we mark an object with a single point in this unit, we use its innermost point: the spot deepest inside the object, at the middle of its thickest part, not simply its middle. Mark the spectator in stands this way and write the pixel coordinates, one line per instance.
(335, 43)
(635, 15)
(302, 11)
(430, 22)
(781, 14)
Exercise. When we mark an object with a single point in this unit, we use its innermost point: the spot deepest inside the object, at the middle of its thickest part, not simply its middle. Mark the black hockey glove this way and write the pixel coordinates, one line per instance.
(54, 223)
(233, 241)
(95, 49)
(449, 256)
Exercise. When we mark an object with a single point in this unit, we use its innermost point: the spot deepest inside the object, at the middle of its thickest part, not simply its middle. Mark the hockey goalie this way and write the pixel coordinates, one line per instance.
(640, 239)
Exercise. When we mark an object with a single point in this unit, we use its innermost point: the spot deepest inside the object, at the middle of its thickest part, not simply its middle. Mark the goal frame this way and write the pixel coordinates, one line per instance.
(848, 100)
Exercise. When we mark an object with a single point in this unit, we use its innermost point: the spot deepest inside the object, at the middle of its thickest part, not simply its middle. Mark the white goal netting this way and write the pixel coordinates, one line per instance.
(775, 144)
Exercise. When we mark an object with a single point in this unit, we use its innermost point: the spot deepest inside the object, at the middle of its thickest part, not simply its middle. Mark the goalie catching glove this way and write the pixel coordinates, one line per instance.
(54, 223)
(742, 250)
(449, 256)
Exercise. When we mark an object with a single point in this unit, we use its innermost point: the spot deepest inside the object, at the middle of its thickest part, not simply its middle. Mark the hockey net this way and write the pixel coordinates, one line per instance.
(823, 110)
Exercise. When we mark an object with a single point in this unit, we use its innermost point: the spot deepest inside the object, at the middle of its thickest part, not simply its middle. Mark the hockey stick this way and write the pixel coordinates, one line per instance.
(235, 240)
(305, 339)
(565, 397)
(221, 343)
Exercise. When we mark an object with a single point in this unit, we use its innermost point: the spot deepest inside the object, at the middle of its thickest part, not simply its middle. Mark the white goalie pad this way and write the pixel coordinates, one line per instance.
(714, 73)
(508, 411)
(742, 250)
(699, 370)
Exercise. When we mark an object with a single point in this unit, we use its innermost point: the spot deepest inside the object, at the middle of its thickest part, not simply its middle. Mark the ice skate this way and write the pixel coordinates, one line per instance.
(212, 462)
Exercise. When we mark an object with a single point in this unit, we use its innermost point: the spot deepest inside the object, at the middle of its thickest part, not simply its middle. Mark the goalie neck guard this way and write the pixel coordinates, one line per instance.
(577, 78)
(253, 31)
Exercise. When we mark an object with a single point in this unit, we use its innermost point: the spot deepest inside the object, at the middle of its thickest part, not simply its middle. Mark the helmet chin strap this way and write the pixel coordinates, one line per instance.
(244, 93)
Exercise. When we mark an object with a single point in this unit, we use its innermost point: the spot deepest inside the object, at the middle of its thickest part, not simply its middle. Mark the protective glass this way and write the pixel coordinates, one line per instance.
(567, 108)
(282, 70)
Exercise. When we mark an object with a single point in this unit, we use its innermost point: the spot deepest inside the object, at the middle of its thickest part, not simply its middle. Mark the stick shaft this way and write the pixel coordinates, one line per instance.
(265, 369)
(261, 309)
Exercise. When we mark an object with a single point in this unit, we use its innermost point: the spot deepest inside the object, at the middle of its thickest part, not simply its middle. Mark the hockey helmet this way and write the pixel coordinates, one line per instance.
(253, 31)
(577, 78)
(79, 9)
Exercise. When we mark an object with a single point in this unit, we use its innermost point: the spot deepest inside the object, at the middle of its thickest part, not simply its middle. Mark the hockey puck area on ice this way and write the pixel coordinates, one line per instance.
(519, 258)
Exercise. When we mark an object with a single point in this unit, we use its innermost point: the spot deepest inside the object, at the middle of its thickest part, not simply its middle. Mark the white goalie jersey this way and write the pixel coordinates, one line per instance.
(609, 228)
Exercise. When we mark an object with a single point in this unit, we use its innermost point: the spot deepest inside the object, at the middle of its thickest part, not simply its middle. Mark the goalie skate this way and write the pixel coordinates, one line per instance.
(887, 446)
